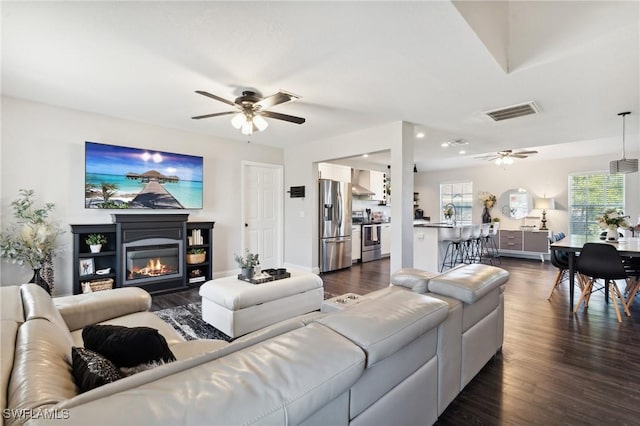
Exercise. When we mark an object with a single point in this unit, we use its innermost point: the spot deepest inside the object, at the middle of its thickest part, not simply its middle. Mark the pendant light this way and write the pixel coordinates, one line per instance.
(623, 165)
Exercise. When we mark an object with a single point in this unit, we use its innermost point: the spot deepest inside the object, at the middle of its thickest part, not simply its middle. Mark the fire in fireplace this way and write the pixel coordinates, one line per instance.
(145, 262)
(153, 268)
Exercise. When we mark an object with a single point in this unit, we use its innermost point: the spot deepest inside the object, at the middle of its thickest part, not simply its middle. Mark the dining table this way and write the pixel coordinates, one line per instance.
(572, 244)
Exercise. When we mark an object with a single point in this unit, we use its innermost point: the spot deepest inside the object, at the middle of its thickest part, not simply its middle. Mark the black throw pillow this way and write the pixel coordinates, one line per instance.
(127, 346)
(91, 370)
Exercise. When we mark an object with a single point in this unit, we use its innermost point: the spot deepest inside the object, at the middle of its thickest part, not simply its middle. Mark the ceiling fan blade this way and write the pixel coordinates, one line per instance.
(278, 98)
(217, 98)
(482, 157)
(285, 117)
(214, 115)
(518, 155)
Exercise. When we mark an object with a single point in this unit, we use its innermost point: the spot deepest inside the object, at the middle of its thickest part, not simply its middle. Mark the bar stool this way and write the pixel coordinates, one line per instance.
(474, 245)
(454, 252)
(485, 234)
(492, 248)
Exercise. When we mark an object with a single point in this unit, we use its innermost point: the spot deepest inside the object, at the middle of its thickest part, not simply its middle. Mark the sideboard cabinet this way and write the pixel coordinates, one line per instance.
(524, 243)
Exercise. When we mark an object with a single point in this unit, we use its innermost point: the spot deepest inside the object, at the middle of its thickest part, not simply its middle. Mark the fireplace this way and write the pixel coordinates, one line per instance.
(149, 259)
(152, 247)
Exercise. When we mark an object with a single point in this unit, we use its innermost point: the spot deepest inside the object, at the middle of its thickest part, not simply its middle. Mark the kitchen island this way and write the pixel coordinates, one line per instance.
(428, 250)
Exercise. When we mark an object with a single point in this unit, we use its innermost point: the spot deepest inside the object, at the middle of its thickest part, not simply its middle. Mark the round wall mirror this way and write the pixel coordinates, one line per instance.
(516, 203)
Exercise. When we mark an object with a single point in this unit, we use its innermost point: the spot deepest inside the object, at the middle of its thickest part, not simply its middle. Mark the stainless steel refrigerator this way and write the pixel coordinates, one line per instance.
(335, 225)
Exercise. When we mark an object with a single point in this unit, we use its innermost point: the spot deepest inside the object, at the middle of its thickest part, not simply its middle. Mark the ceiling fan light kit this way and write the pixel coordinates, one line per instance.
(253, 109)
(623, 165)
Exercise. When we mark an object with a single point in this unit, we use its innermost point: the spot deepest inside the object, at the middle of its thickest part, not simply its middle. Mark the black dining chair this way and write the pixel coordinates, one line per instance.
(632, 267)
(560, 259)
(601, 261)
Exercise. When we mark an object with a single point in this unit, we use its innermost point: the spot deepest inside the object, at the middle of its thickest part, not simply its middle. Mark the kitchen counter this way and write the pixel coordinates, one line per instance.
(425, 224)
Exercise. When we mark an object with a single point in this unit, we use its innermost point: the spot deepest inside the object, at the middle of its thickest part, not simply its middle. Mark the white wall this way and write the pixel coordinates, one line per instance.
(541, 178)
(301, 214)
(43, 149)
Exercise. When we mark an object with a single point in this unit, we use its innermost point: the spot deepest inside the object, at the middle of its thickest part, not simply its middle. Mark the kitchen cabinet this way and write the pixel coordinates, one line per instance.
(356, 243)
(385, 239)
(520, 243)
(334, 172)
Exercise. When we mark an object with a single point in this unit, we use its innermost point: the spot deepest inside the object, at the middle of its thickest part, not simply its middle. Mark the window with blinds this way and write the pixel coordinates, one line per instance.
(460, 194)
(589, 196)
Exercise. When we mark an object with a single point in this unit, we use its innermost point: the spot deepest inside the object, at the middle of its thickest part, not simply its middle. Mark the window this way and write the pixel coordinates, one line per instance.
(589, 196)
(460, 194)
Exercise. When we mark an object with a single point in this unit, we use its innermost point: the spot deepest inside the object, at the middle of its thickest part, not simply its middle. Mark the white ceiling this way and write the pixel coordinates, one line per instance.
(355, 64)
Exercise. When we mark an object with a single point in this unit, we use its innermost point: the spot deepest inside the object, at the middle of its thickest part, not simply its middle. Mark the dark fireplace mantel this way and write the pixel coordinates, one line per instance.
(162, 239)
(137, 230)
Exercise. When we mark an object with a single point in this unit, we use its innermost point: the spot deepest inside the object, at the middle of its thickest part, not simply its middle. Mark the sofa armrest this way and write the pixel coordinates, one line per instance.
(85, 309)
(469, 283)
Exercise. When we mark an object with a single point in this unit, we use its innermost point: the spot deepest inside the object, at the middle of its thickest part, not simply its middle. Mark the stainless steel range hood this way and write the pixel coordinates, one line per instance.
(356, 188)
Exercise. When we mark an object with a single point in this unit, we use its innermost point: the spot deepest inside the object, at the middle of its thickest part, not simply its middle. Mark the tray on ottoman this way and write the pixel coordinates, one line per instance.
(273, 275)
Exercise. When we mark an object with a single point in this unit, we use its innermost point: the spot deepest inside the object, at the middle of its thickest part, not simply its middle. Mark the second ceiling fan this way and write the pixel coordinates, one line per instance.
(506, 156)
(251, 110)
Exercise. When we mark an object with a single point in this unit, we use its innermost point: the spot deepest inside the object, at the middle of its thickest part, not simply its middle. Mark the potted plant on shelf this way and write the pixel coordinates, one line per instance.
(31, 240)
(196, 255)
(247, 263)
(95, 242)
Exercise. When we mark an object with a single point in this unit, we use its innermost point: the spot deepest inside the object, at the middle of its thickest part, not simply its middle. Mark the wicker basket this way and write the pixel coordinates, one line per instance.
(98, 285)
(193, 259)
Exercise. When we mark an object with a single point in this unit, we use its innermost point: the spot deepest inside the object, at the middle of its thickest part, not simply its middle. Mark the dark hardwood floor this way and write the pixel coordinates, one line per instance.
(556, 367)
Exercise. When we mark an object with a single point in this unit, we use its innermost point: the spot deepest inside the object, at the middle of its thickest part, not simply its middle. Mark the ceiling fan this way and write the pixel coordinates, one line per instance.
(251, 110)
(506, 156)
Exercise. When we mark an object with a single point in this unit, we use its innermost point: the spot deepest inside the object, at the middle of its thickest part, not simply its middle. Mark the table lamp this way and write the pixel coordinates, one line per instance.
(544, 204)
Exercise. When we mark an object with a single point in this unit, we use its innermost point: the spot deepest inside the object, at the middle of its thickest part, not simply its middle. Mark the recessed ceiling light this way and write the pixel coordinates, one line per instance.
(454, 142)
(420, 135)
(365, 155)
(462, 152)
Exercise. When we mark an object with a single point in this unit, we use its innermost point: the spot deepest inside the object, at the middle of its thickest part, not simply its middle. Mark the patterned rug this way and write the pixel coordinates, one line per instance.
(187, 320)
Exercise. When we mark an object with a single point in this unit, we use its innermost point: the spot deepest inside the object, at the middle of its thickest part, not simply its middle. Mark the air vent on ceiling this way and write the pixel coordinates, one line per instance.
(513, 111)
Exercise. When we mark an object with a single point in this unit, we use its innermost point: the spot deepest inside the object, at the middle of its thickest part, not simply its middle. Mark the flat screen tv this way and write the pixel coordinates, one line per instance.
(118, 177)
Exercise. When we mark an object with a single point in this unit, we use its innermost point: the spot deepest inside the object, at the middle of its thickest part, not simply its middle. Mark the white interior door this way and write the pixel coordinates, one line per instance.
(262, 210)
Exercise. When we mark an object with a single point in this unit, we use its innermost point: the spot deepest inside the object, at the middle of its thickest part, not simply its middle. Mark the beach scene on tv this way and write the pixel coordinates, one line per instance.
(118, 177)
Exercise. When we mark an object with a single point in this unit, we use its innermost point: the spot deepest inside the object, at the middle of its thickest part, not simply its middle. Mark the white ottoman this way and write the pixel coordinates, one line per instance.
(236, 307)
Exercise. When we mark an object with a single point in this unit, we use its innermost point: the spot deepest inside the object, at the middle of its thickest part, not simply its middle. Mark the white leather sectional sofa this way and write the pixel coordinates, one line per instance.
(397, 357)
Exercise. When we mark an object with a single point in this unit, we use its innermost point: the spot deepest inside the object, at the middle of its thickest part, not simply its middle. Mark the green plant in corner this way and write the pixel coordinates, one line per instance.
(31, 240)
(95, 239)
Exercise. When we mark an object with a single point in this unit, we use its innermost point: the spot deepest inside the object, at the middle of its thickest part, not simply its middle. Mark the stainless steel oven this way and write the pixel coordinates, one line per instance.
(371, 234)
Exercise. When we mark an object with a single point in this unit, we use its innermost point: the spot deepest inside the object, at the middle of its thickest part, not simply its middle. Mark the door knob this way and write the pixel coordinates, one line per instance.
(246, 225)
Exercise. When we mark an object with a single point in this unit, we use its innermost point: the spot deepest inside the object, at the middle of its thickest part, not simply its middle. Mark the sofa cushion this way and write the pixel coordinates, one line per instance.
(91, 308)
(414, 279)
(90, 369)
(125, 346)
(469, 283)
(138, 319)
(41, 374)
(8, 334)
(385, 324)
(37, 303)
(283, 380)
(10, 306)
